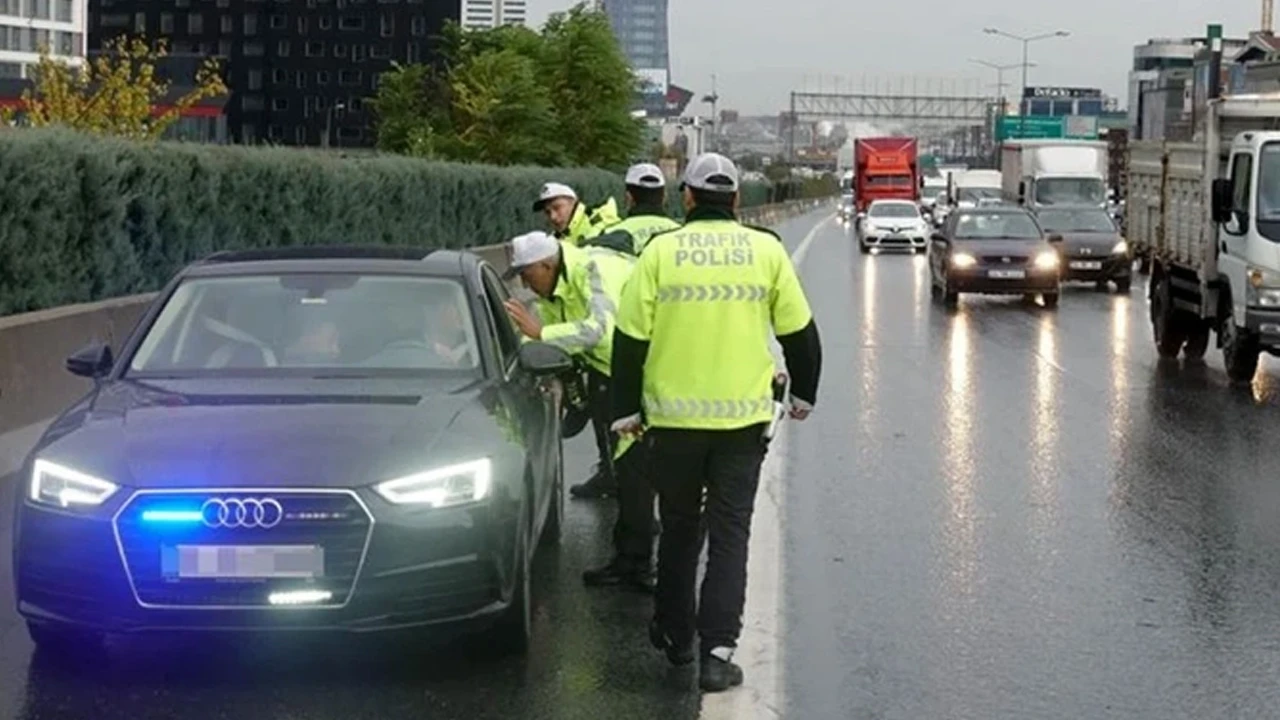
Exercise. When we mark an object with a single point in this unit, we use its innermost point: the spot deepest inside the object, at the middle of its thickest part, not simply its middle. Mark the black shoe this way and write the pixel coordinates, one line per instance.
(595, 488)
(717, 675)
(621, 572)
(677, 654)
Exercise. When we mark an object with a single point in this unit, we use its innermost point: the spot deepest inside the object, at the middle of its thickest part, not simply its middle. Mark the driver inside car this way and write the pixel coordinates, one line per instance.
(318, 343)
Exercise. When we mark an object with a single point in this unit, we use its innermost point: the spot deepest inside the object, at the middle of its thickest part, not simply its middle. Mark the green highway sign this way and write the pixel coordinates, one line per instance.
(1031, 126)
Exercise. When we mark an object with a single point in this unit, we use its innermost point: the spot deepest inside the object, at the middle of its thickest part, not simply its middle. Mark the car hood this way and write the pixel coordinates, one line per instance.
(291, 434)
(1074, 243)
(894, 224)
(1012, 248)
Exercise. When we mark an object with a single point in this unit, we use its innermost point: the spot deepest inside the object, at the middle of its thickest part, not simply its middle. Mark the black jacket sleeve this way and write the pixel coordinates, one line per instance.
(803, 354)
(627, 369)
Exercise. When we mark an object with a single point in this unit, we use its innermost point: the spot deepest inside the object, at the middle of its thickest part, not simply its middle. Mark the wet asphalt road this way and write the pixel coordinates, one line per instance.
(1009, 512)
(997, 512)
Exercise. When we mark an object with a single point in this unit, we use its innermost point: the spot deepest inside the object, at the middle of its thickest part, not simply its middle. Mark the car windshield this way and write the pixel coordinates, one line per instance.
(996, 226)
(1070, 191)
(1079, 221)
(893, 210)
(1269, 184)
(975, 195)
(330, 324)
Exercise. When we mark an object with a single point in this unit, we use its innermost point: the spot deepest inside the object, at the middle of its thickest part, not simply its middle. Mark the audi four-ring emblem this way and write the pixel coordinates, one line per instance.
(241, 513)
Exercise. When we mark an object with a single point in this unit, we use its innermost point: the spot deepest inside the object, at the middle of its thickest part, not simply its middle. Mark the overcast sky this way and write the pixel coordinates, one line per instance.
(760, 50)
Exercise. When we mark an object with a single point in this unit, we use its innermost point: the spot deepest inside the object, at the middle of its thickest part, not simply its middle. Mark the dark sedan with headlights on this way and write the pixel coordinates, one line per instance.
(994, 251)
(311, 439)
(1093, 249)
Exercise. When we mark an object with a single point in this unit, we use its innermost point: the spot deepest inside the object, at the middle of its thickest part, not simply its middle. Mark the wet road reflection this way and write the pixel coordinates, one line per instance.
(1038, 519)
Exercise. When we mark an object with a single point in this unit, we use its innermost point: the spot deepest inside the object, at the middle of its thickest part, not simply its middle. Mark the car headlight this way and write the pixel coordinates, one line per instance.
(1120, 248)
(60, 486)
(441, 487)
(963, 260)
(1046, 260)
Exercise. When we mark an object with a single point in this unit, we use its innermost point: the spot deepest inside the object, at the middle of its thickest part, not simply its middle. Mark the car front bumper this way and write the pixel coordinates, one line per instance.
(1091, 268)
(979, 280)
(1265, 324)
(386, 568)
(895, 242)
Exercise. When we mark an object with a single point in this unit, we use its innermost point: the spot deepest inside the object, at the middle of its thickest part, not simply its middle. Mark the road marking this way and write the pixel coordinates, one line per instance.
(760, 697)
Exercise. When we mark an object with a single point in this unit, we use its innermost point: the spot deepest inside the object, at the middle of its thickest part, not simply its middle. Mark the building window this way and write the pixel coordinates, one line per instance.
(339, 50)
(254, 48)
(280, 104)
(64, 11)
(274, 133)
(278, 22)
(117, 20)
(356, 104)
(279, 75)
(140, 23)
(351, 22)
(195, 24)
(349, 77)
(65, 47)
(301, 80)
(419, 25)
(358, 53)
(42, 10)
(251, 24)
(326, 22)
(300, 135)
(227, 25)
(248, 134)
(183, 47)
(315, 48)
(224, 3)
(283, 48)
(348, 133)
(413, 52)
(252, 103)
(224, 48)
(182, 3)
(380, 51)
(255, 80)
(10, 70)
(388, 25)
(302, 24)
(322, 77)
(166, 23)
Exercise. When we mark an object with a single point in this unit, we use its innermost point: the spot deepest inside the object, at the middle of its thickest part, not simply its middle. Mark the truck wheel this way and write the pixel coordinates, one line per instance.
(1050, 300)
(1166, 322)
(1240, 351)
(950, 298)
(1144, 264)
(1197, 342)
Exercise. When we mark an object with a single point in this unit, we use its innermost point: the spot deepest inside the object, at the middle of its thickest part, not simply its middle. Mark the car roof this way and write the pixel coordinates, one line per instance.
(399, 259)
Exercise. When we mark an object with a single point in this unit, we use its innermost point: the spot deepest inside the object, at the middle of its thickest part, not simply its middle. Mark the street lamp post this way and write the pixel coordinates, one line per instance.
(1000, 86)
(328, 123)
(1026, 41)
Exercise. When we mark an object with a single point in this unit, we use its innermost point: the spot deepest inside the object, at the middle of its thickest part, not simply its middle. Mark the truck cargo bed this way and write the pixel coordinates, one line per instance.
(1165, 206)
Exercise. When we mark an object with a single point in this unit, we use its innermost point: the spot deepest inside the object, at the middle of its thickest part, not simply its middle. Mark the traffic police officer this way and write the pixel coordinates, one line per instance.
(692, 360)
(577, 293)
(570, 220)
(646, 196)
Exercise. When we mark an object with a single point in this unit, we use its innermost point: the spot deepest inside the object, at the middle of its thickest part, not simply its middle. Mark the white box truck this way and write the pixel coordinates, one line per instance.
(1037, 173)
(1207, 215)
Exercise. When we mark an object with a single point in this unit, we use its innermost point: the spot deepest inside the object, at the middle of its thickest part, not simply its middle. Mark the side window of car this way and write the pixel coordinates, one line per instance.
(496, 293)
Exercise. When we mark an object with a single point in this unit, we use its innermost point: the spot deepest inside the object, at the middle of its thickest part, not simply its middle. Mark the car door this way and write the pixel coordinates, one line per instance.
(1233, 235)
(938, 251)
(534, 400)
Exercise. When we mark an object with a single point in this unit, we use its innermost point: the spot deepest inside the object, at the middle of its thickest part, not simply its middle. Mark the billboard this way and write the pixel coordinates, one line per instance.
(1047, 127)
(1066, 93)
(653, 81)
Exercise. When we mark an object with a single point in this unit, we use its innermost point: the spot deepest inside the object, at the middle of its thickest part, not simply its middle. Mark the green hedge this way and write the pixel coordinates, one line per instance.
(84, 218)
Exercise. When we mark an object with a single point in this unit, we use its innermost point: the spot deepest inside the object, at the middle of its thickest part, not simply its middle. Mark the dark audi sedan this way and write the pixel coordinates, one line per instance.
(1092, 247)
(322, 439)
(994, 251)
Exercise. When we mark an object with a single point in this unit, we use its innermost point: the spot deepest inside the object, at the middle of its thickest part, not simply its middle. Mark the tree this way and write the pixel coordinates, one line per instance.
(119, 92)
(510, 95)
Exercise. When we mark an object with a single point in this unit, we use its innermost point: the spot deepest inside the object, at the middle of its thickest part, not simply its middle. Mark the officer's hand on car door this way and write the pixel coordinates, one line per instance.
(528, 323)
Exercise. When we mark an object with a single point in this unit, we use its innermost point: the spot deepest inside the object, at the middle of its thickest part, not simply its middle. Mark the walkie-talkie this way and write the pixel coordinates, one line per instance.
(781, 384)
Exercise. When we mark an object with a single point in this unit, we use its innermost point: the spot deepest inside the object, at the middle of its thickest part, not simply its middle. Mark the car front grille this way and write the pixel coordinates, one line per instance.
(1005, 260)
(336, 521)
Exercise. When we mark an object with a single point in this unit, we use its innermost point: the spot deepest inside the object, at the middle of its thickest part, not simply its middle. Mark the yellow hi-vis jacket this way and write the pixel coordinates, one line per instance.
(708, 299)
(579, 316)
(584, 223)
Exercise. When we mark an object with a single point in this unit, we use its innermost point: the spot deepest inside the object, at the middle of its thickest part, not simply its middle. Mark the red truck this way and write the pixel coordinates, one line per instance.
(885, 168)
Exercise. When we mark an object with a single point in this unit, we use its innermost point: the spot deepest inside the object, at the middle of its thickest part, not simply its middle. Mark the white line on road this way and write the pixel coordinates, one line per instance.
(758, 651)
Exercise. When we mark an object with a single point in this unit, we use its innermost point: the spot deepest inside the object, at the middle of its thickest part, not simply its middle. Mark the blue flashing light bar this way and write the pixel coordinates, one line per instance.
(171, 516)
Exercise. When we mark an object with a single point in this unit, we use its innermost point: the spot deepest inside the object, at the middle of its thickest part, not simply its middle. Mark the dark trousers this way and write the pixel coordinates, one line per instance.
(725, 465)
(633, 531)
(600, 405)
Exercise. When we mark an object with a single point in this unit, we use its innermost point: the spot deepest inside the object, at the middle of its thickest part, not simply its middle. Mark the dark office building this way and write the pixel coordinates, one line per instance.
(301, 71)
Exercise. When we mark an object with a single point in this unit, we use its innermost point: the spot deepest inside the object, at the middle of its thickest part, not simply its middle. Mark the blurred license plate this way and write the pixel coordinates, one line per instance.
(1007, 274)
(242, 562)
(1086, 265)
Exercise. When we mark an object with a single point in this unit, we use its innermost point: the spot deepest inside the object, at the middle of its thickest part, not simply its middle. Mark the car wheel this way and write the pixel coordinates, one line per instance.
(553, 530)
(1101, 286)
(1240, 351)
(64, 643)
(1050, 300)
(513, 633)
(950, 298)
(864, 248)
(1123, 285)
(1166, 321)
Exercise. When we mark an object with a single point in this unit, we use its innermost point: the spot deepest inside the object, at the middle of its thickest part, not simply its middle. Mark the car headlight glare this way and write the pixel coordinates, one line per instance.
(1046, 261)
(60, 486)
(963, 260)
(441, 487)
(1121, 248)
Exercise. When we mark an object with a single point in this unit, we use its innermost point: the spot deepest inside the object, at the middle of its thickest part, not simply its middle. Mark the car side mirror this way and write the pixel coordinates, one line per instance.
(1054, 238)
(539, 358)
(1221, 200)
(92, 361)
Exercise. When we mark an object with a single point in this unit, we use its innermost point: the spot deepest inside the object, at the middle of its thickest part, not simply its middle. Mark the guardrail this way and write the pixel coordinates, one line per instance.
(34, 386)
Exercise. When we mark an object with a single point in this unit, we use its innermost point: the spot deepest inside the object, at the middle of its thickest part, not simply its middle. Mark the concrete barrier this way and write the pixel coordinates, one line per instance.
(35, 386)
